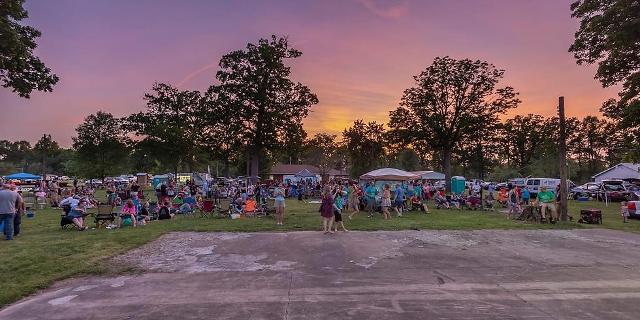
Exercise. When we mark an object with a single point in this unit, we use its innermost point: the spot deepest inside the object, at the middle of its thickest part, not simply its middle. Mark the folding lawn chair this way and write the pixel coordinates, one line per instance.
(224, 207)
(250, 208)
(153, 211)
(66, 222)
(104, 215)
(207, 208)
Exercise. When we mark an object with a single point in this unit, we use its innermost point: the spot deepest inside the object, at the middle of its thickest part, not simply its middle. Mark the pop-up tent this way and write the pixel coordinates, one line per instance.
(429, 175)
(23, 176)
(389, 174)
(305, 173)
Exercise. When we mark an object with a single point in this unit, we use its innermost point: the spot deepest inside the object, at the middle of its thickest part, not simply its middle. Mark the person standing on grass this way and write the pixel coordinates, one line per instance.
(338, 206)
(278, 194)
(8, 201)
(326, 210)
(370, 196)
(386, 202)
(624, 211)
(398, 200)
(354, 199)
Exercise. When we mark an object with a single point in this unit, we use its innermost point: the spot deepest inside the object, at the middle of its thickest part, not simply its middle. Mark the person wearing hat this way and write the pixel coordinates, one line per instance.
(10, 202)
(546, 199)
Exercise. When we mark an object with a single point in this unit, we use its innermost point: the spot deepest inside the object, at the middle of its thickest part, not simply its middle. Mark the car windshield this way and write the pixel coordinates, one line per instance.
(614, 187)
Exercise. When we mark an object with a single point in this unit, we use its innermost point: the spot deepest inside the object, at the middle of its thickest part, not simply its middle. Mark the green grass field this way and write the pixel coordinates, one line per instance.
(44, 253)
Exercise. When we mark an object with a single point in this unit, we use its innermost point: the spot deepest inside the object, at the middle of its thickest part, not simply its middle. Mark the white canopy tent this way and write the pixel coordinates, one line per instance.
(429, 175)
(389, 174)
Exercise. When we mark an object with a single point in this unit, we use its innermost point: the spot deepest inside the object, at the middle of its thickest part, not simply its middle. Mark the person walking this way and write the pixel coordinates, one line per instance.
(370, 196)
(278, 194)
(326, 210)
(398, 201)
(8, 201)
(338, 206)
(386, 202)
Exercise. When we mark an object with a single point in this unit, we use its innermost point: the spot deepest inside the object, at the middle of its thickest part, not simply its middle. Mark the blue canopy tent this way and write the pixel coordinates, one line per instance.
(23, 176)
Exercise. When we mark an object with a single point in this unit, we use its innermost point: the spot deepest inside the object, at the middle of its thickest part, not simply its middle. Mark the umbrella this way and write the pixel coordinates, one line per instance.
(390, 174)
(23, 176)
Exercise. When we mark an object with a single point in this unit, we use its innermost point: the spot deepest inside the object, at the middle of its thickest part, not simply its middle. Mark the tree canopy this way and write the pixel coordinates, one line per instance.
(168, 127)
(255, 84)
(101, 145)
(364, 143)
(609, 36)
(20, 69)
(451, 101)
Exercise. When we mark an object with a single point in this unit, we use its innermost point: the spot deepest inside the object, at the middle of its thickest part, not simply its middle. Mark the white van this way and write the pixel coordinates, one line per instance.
(519, 182)
(534, 185)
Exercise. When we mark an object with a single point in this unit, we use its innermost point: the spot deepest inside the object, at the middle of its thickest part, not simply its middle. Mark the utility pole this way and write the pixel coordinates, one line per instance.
(562, 164)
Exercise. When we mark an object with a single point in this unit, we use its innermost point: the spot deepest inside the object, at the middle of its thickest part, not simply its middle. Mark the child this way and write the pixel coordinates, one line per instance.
(526, 196)
(338, 205)
(624, 211)
(386, 202)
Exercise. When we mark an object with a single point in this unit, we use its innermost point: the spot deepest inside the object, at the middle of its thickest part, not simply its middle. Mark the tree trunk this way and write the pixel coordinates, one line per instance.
(254, 163)
(446, 167)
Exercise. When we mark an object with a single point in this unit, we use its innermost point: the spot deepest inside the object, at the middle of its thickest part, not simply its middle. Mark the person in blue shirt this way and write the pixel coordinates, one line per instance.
(526, 195)
(370, 197)
(398, 200)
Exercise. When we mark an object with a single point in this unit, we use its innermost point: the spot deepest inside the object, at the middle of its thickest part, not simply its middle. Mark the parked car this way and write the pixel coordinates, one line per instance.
(501, 185)
(634, 192)
(613, 190)
(589, 189)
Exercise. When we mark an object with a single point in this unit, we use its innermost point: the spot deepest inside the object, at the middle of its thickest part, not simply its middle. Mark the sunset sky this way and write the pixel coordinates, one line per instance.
(359, 55)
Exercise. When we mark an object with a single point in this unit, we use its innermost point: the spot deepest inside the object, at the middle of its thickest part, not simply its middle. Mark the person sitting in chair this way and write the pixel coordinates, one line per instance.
(164, 213)
(128, 214)
(473, 202)
(250, 206)
(186, 208)
(416, 203)
(489, 201)
(440, 200)
(77, 215)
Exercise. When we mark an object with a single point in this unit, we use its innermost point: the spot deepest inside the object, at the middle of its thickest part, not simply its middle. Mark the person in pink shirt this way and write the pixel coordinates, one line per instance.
(128, 211)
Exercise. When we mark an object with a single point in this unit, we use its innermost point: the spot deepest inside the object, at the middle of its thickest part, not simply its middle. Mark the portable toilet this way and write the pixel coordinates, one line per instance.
(457, 184)
(142, 179)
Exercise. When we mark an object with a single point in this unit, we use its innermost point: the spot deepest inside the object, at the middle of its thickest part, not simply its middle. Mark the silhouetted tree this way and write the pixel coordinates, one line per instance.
(19, 68)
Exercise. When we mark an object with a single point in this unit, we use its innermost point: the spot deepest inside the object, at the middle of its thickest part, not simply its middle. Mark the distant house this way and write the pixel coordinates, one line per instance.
(621, 171)
(282, 172)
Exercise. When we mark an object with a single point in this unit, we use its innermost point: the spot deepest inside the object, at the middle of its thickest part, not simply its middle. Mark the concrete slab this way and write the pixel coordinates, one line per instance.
(485, 274)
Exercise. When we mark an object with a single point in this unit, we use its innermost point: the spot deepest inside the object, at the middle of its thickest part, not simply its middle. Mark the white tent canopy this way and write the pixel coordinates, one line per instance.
(429, 175)
(389, 174)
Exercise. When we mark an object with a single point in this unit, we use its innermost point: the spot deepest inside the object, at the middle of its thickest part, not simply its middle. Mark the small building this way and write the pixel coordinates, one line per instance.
(621, 171)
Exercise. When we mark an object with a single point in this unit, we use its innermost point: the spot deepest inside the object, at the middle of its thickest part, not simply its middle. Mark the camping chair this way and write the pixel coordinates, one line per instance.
(66, 222)
(153, 210)
(224, 207)
(104, 215)
(250, 207)
(207, 208)
(269, 206)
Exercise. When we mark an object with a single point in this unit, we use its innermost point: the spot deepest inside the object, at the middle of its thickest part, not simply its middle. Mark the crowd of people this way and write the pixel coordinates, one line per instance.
(339, 199)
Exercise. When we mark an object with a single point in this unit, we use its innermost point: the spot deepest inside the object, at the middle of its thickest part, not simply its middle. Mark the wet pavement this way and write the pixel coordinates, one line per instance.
(485, 274)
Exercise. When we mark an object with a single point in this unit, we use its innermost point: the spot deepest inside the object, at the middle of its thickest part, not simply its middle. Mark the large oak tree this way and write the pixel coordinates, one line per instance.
(266, 102)
(451, 100)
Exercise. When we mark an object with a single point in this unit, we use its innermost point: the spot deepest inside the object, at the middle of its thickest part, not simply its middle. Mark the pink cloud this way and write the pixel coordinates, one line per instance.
(395, 10)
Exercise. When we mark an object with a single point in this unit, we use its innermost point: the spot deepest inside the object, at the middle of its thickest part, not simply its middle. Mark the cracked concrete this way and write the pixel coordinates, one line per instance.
(484, 274)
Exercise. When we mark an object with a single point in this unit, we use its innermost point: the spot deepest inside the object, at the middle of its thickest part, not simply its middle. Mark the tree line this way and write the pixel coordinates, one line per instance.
(451, 119)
